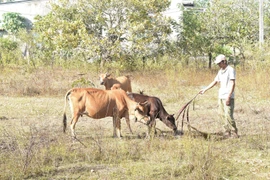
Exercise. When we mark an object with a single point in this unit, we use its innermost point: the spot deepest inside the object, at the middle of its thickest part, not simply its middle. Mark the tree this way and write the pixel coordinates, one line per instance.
(13, 22)
(191, 38)
(230, 23)
(108, 30)
(8, 49)
(221, 27)
(59, 32)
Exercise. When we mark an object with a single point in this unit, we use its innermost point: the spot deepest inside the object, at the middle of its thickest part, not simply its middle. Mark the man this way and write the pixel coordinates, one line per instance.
(226, 78)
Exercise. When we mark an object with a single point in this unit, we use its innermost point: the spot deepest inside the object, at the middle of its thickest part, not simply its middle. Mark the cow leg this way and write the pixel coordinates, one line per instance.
(72, 125)
(116, 124)
(153, 114)
(118, 127)
(128, 123)
(152, 127)
(114, 121)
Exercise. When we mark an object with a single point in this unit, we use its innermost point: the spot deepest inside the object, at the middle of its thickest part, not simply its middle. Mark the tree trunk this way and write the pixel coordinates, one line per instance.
(210, 60)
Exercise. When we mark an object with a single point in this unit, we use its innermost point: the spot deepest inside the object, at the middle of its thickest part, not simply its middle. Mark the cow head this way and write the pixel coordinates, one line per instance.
(103, 78)
(139, 112)
(170, 122)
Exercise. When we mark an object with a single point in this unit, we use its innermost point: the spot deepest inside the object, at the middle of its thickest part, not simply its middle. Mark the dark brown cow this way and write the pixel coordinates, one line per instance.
(122, 82)
(98, 103)
(155, 110)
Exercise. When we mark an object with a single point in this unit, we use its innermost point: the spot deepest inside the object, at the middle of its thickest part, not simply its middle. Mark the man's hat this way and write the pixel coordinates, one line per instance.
(220, 58)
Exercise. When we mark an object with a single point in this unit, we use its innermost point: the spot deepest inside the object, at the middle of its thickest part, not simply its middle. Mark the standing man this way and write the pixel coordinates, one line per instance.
(226, 79)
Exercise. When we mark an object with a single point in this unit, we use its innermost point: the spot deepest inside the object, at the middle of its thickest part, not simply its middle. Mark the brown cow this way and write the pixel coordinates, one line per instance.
(98, 103)
(155, 110)
(122, 82)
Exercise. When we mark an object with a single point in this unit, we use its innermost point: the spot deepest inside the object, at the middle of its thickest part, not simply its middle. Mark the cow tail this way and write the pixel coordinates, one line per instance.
(64, 114)
(64, 122)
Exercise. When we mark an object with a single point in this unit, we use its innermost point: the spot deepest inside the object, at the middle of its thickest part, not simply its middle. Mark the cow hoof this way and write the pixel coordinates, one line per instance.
(178, 133)
(177, 136)
(117, 137)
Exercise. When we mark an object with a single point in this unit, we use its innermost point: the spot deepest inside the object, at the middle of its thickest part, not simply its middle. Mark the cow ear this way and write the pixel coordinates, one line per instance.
(170, 115)
(107, 75)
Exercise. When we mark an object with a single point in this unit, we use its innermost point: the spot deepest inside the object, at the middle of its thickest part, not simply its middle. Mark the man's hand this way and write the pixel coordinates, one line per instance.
(228, 101)
(202, 91)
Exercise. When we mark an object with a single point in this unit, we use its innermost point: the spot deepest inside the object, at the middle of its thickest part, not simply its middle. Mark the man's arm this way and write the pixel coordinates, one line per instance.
(232, 86)
(212, 84)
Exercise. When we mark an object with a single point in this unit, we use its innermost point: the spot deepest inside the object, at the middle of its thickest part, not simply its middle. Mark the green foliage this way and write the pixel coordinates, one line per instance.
(211, 28)
(8, 51)
(109, 30)
(131, 34)
(7, 45)
(190, 39)
(13, 22)
(230, 23)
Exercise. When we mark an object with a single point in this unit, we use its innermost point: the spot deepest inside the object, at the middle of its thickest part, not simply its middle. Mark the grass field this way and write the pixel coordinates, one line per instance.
(33, 146)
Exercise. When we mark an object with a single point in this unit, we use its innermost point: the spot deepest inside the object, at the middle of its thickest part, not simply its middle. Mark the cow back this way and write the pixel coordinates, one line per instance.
(96, 103)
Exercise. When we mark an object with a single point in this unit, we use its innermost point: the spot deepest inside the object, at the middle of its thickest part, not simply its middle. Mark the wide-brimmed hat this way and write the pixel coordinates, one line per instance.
(220, 58)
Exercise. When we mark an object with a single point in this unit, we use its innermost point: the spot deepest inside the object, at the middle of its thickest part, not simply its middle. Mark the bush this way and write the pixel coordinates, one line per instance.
(8, 51)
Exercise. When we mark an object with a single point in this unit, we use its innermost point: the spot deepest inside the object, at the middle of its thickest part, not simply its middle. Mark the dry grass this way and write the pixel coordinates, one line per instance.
(32, 145)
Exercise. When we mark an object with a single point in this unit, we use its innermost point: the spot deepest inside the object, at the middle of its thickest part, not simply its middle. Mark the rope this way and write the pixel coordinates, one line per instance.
(75, 138)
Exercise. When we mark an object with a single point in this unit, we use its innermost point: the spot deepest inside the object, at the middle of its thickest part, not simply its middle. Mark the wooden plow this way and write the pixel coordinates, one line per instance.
(184, 111)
